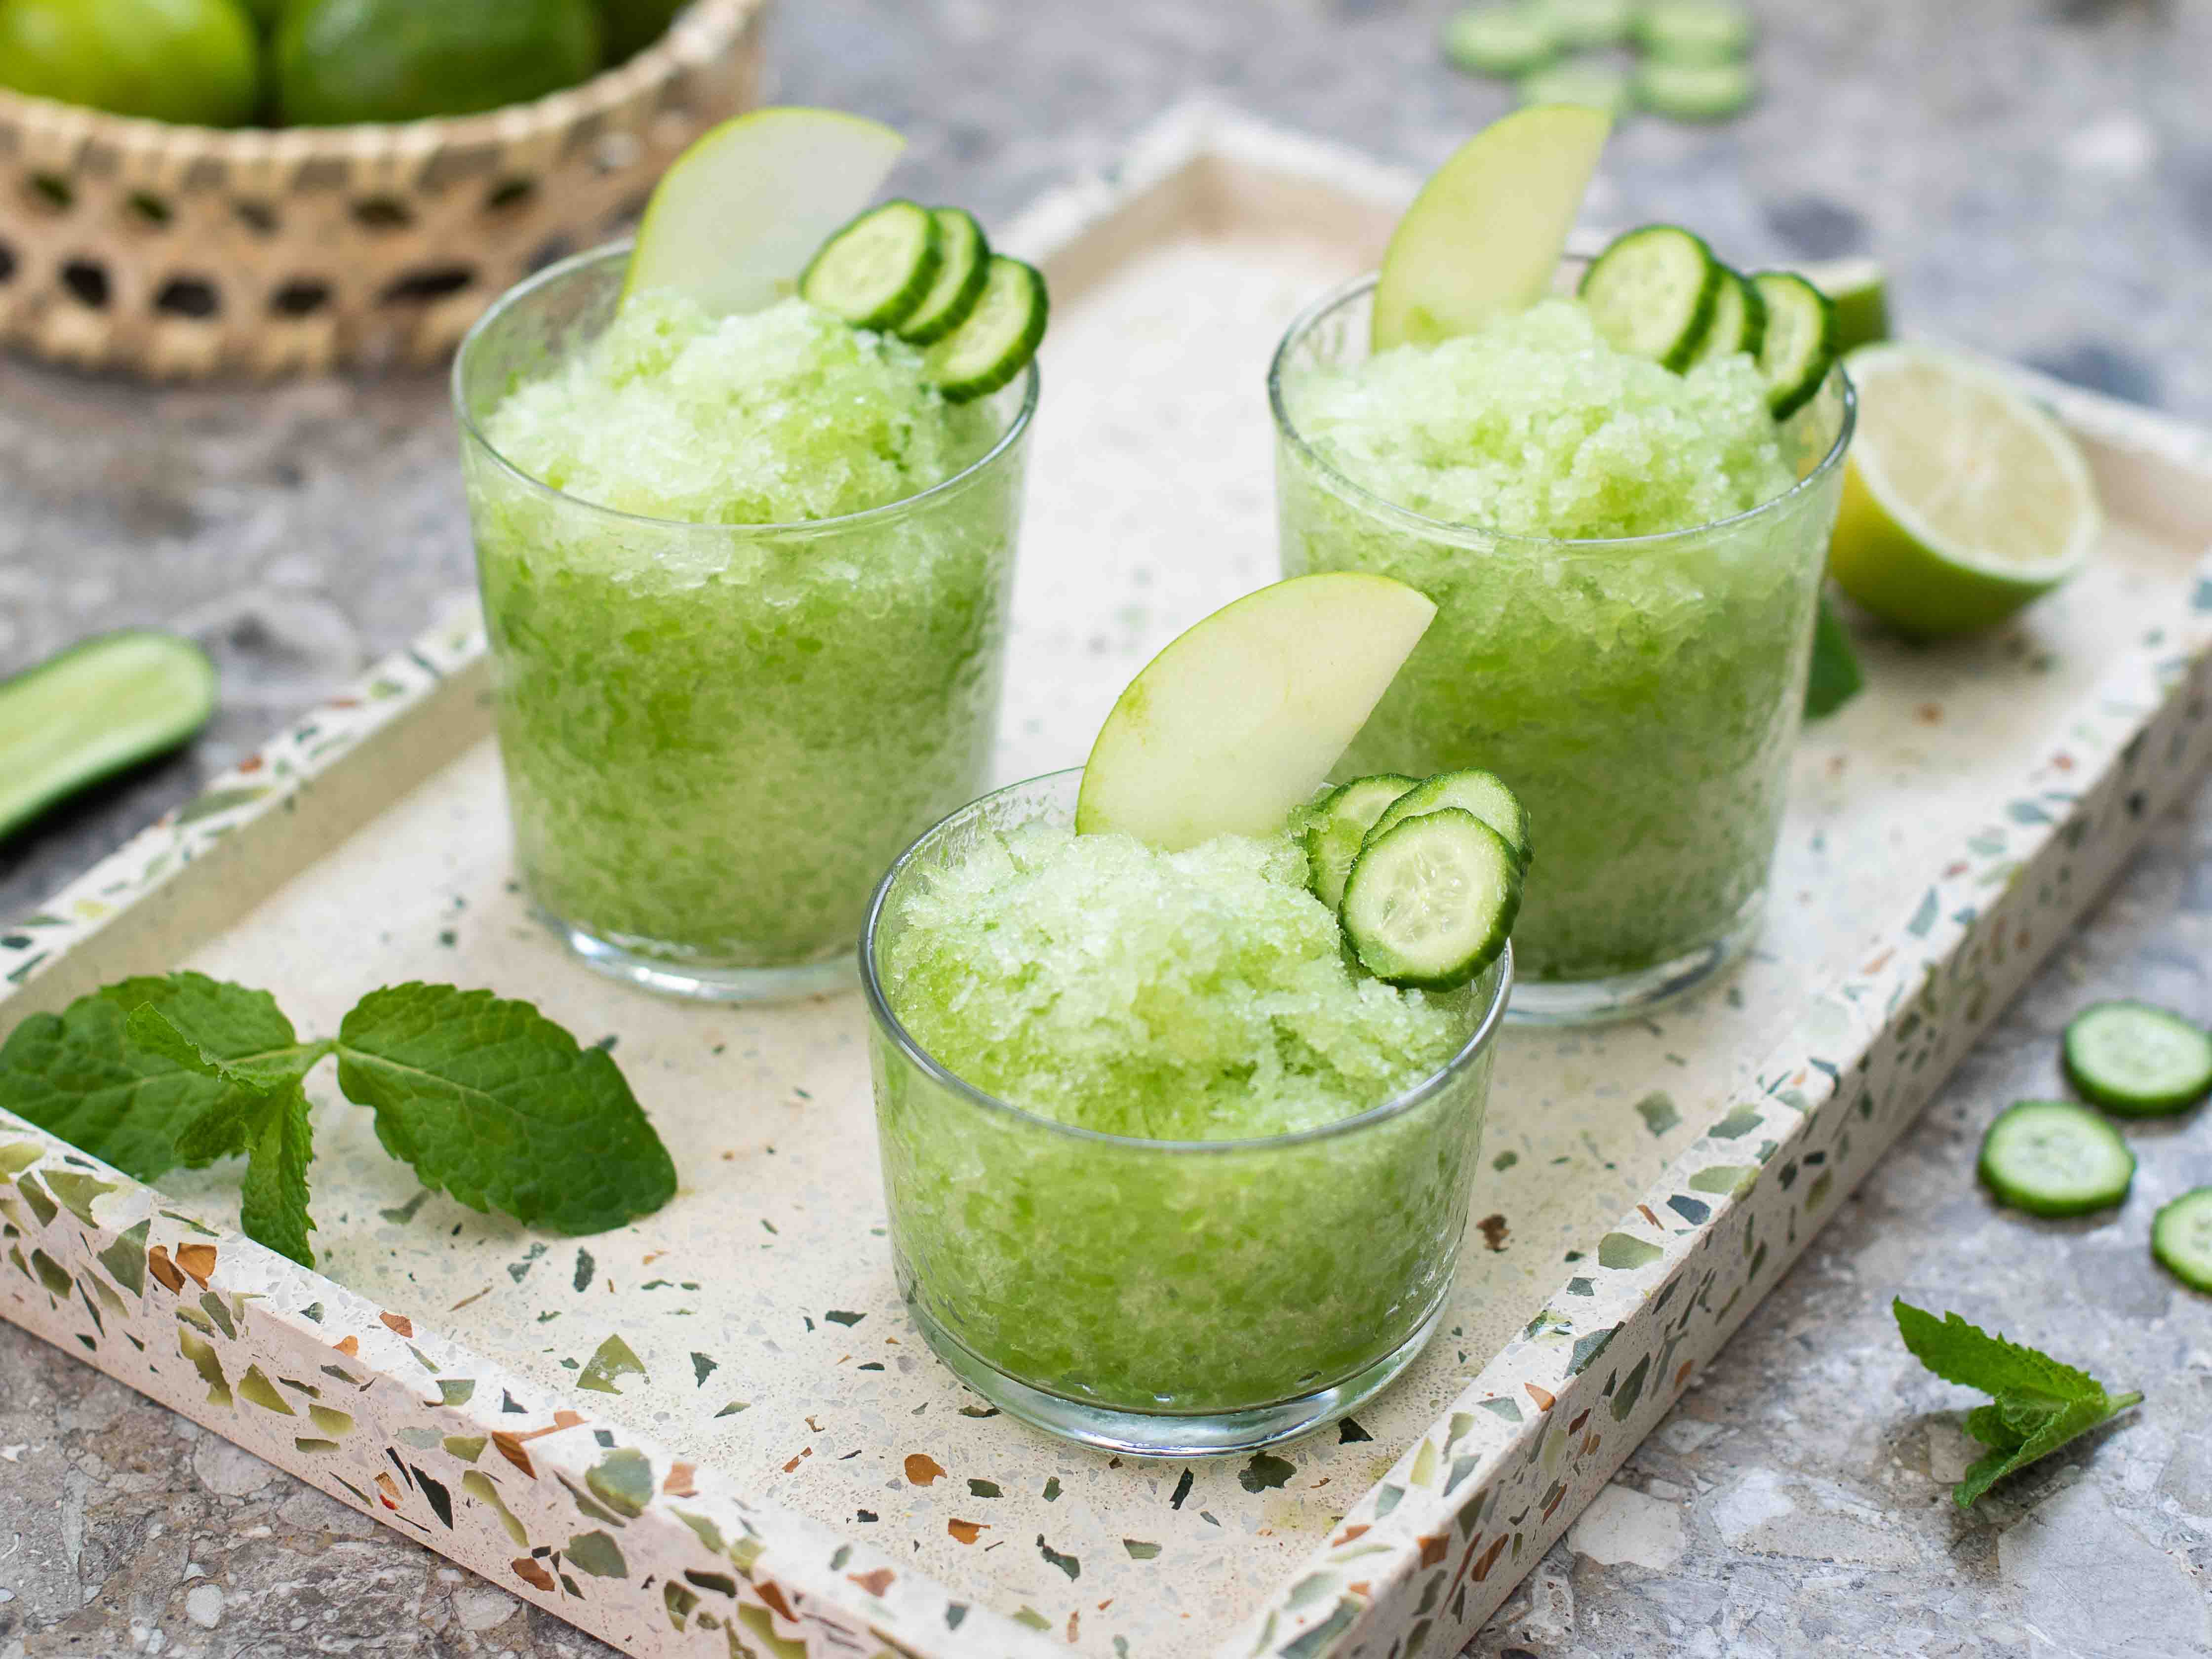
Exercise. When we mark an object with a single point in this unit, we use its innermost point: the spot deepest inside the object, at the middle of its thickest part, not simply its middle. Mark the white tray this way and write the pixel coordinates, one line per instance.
(1641, 1187)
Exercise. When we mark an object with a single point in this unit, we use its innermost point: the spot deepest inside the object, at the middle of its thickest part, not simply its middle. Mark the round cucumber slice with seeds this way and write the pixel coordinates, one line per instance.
(1653, 291)
(1483, 793)
(1431, 904)
(1799, 346)
(1338, 822)
(2135, 1059)
(2181, 1238)
(1695, 92)
(964, 266)
(1694, 31)
(876, 272)
(2054, 1157)
(1594, 85)
(1501, 40)
(1738, 319)
(999, 337)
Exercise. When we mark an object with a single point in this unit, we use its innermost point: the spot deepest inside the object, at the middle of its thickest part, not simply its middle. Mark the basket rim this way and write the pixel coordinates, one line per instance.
(706, 31)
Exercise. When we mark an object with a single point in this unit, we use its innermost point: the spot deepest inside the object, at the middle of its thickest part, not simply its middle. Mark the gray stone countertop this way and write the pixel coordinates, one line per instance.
(2038, 174)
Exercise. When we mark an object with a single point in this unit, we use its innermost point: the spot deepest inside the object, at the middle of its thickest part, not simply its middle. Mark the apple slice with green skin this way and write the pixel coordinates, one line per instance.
(1239, 719)
(1484, 235)
(735, 220)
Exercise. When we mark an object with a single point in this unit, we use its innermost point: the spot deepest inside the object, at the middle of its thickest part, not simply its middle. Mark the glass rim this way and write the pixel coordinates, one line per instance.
(561, 268)
(1477, 1042)
(1456, 531)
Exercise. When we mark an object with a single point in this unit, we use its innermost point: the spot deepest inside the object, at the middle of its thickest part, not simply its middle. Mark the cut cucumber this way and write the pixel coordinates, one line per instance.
(1653, 292)
(1799, 347)
(1483, 793)
(1860, 289)
(1338, 822)
(1694, 31)
(94, 709)
(1695, 92)
(999, 335)
(2054, 1157)
(964, 266)
(1587, 23)
(1501, 40)
(2181, 1238)
(1594, 85)
(1431, 904)
(1738, 319)
(876, 272)
(2143, 1061)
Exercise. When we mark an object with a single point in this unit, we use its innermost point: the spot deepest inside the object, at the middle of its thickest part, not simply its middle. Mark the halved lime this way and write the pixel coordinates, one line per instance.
(1962, 500)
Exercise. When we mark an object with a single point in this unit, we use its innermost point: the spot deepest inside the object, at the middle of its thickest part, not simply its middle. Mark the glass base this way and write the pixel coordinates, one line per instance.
(1158, 1434)
(807, 978)
(1623, 996)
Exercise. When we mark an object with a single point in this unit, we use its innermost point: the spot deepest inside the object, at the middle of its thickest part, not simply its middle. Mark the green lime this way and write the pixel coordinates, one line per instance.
(267, 14)
(630, 25)
(189, 61)
(343, 61)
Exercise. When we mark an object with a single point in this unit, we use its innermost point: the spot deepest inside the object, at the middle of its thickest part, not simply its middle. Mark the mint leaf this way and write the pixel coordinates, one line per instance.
(496, 1105)
(2075, 1419)
(274, 1210)
(1963, 1353)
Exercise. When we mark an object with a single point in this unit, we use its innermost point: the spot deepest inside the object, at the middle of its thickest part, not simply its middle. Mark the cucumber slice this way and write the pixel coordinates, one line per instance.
(964, 266)
(1338, 822)
(876, 272)
(1738, 319)
(999, 335)
(2054, 1157)
(2134, 1058)
(1695, 92)
(2181, 1238)
(1594, 85)
(1585, 23)
(1860, 289)
(93, 710)
(1694, 31)
(1501, 40)
(1483, 793)
(1653, 292)
(1799, 347)
(1429, 903)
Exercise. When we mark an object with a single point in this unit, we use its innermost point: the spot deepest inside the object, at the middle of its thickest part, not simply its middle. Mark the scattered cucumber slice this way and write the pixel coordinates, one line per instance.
(1695, 92)
(93, 710)
(1799, 346)
(1653, 292)
(1337, 824)
(964, 266)
(1738, 319)
(876, 272)
(1861, 290)
(2181, 1238)
(1594, 85)
(1585, 23)
(999, 335)
(1694, 31)
(2054, 1157)
(1501, 40)
(1483, 793)
(2135, 1059)
(1431, 904)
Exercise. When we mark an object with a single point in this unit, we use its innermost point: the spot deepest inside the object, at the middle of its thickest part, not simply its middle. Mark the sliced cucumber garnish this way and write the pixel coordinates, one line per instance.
(2132, 1058)
(1593, 85)
(1505, 40)
(1652, 292)
(1429, 903)
(999, 337)
(1694, 31)
(1483, 793)
(876, 272)
(2181, 1238)
(1738, 319)
(2054, 1157)
(963, 266)
(1695, 92)
(1799, 347)
(1338, 822)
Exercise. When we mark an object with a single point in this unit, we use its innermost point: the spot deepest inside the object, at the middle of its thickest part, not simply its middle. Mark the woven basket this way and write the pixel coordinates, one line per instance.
(180, 251)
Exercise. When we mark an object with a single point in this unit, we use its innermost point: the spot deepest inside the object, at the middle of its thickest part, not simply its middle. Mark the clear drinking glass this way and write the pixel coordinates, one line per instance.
(1166, 1298)
(1641, 696)
(716, 736)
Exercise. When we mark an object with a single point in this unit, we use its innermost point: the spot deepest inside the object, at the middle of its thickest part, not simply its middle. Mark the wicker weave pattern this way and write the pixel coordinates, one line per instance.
(184, 251)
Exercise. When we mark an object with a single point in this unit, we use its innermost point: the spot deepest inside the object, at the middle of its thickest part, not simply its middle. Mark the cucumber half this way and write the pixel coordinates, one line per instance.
(1799, 347)
(2132, 1058)
(93, 710)
(1738, 319)
(963, 265)
(999, 337)
(2181, 1238)
(1653, 292)
(1431, 904)
(1483, 793)
(876, 272)
(2054, 1157)
(1338, 822)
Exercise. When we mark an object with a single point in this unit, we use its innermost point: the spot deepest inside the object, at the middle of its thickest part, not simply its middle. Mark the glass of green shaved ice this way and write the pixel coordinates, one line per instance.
(745, 584)
(1626, 562)
(1164, 1174)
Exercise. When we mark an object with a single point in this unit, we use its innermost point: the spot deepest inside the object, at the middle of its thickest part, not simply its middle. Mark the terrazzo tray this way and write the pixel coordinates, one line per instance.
(717, 1433)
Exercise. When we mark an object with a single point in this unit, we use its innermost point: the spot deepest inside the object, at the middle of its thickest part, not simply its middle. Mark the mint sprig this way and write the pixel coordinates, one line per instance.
(2037, 1403)
(486, 1098)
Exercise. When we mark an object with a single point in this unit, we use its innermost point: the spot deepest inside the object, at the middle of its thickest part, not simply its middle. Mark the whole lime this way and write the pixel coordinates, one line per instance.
(631, 26)
(341, 61)
(190, 61)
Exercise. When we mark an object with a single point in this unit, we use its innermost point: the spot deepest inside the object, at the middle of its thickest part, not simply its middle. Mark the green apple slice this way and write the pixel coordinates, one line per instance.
(735, 220)
(1484, 235)
(1239, 719)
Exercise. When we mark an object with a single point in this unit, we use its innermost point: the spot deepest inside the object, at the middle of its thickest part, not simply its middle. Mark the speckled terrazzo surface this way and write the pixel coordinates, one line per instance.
(2042, 193)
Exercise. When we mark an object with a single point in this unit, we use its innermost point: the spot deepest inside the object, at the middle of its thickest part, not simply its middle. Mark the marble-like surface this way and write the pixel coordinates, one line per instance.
(2038, 172)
